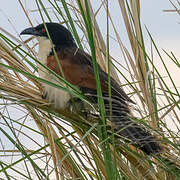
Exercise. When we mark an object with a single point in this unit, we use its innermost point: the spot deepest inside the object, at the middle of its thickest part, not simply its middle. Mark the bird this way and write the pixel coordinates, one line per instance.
(77, 68)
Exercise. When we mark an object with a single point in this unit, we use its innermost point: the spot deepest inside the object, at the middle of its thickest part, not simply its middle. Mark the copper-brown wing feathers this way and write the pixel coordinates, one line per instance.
(77, 68)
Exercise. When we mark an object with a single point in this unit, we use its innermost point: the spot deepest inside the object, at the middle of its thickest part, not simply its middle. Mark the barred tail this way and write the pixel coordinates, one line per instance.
(123, 124)
(130, 130)
(137, 135)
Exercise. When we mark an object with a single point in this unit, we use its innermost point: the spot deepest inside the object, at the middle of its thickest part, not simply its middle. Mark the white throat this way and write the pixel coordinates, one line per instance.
(45, 47)
(57, 97)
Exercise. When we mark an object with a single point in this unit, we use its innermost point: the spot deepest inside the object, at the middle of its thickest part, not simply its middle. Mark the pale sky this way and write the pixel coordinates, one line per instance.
(163, 26)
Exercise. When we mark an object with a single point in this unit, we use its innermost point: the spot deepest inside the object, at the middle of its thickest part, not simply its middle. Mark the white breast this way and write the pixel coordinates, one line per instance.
(57, 97)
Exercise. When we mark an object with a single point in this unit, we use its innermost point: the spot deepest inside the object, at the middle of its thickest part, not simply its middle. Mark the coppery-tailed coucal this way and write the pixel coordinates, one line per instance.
(78, 70)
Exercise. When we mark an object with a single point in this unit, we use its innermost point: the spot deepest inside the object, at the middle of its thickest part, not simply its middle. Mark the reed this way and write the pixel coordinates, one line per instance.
(48, 143)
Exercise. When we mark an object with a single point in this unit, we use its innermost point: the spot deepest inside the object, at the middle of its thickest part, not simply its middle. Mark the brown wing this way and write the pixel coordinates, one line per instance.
(78, 70)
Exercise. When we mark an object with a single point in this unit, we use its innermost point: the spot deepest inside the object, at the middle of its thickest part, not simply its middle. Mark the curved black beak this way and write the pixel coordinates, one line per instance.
(30, 31)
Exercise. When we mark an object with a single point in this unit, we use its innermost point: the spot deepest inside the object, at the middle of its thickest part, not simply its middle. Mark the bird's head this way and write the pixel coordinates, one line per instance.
(60, 36)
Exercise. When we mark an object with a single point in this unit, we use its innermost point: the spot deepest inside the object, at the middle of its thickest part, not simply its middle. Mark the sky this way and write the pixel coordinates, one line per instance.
(163, 26)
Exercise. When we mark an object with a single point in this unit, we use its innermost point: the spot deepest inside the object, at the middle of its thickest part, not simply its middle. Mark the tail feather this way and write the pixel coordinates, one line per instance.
(123, 124)
(137, 135)
(132, 131)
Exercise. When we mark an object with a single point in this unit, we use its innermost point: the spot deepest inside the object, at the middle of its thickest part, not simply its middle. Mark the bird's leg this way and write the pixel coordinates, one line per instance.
(77, 105)
(45, 93)
(81, 107)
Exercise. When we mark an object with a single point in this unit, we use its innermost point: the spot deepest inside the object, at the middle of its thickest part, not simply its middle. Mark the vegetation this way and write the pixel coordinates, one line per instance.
(39, 142)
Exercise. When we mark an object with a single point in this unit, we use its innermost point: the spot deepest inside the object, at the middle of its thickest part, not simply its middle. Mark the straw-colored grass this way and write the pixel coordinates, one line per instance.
(63, 144)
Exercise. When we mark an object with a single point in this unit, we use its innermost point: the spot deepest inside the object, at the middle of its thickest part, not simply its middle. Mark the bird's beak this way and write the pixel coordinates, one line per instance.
(30, 31)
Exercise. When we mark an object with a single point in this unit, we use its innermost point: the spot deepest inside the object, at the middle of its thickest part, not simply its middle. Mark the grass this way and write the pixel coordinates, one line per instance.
(48, 143)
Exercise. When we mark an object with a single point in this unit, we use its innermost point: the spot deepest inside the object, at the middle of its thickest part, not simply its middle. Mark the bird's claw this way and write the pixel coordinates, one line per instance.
(44, 95)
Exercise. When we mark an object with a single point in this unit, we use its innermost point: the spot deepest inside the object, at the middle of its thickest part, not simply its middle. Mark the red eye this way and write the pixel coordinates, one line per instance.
(43, 30)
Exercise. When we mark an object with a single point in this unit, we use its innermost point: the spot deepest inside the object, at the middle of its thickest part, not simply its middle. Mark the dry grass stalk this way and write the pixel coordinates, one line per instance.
(26, 92)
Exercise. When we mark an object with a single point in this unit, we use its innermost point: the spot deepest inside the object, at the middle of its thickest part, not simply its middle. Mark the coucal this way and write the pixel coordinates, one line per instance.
(78, 70)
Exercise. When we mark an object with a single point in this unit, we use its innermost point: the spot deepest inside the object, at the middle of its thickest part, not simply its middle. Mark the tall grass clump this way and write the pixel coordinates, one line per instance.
(40, 142)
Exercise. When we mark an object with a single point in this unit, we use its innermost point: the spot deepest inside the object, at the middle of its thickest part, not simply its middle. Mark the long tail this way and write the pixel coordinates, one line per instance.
(123, 124)
(130, 130)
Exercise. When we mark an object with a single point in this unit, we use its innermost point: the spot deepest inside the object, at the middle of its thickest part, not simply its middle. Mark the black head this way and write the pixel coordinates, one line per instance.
(59, 35)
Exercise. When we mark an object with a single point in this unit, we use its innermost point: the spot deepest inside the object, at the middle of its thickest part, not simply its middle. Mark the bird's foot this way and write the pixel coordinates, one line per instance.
(45, 94)
(75, 105)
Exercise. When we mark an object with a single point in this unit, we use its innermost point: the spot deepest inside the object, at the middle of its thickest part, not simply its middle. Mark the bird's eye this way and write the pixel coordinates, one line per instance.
(43, 30)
